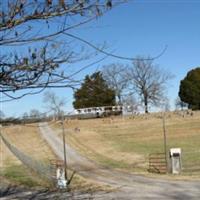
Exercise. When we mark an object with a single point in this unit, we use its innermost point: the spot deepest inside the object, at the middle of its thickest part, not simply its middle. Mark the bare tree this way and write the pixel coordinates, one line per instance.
(34, 113)
(2, 115)
(165, 104)
(148, 81)
(25, 115)
(180, 104)
(54, 103)
(36, 38)
(115, 76)
(130, 105)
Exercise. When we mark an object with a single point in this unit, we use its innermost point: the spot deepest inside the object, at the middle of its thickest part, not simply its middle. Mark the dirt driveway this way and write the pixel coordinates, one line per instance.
(127, 186)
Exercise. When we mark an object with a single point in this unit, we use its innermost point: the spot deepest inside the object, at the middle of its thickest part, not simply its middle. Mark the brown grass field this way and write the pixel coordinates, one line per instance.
(28, 140)
(125, 143)
(118, 142)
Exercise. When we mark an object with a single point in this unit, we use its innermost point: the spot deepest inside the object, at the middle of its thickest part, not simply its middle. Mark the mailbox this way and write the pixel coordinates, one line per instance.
(175, 156)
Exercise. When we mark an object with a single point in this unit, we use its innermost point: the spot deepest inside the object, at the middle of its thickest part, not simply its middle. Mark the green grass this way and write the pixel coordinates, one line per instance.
(106, 161)
(149, 137)
(20, 175)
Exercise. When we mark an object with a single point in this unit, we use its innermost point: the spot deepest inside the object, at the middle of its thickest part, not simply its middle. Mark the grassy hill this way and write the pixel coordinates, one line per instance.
(126, 142)
(26, 138)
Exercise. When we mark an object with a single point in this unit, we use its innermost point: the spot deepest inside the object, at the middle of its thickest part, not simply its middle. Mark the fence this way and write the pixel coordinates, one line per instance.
(190, 162)
(157, 163)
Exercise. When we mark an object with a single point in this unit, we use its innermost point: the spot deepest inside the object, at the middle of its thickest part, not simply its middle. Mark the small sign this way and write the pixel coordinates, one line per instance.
(60, 175)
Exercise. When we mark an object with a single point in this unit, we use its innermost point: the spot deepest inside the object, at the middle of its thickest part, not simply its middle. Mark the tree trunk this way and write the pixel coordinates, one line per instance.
(146, 104)
(119, 99)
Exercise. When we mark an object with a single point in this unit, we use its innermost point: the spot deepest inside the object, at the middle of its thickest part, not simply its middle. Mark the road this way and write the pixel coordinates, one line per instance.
(127, 186)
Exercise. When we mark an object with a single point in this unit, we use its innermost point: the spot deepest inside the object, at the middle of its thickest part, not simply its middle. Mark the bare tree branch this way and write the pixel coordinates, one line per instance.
(34, 47)
(148, 81)
(54, 103)
(38, 46)
(114, 74)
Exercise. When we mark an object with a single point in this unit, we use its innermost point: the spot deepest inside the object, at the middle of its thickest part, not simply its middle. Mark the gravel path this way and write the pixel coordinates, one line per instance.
(128, 186)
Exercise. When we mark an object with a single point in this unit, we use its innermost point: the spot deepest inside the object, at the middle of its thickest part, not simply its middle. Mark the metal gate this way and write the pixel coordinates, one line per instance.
(157, 163)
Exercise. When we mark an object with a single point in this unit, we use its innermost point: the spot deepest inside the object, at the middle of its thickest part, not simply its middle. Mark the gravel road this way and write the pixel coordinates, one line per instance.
(127, 186)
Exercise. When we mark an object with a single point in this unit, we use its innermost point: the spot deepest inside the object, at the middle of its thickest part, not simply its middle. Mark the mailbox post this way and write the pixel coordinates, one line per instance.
(175, 157)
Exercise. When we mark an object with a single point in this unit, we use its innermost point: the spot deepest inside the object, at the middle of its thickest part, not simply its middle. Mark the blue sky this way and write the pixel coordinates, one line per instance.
(138, 28)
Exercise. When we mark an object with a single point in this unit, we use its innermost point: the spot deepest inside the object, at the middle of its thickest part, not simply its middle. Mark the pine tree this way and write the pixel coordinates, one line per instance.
(94, 92)
(189, 91)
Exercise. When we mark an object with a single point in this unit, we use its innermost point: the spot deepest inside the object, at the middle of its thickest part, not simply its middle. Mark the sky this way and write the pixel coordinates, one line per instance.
(136, 28)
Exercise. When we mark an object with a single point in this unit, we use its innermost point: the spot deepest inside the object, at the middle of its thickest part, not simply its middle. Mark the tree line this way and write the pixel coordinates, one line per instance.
(114, 85)
(142, 83)
(37, 38)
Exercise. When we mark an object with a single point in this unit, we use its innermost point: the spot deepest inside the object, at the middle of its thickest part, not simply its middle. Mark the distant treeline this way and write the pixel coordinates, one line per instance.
(12, 120)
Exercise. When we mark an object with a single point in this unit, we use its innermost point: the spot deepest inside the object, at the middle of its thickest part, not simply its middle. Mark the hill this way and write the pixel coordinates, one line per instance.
(126, 142)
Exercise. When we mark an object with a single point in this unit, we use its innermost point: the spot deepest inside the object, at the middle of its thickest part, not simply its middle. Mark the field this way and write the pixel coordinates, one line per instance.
(28, 140)
(125, 143)
(119, 142)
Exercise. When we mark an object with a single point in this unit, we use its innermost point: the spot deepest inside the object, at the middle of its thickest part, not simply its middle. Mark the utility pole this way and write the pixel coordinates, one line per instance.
(165, 139)
(64, 149)
(1, 149)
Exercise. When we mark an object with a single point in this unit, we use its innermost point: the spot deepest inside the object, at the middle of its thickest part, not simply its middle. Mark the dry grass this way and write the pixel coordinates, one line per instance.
(126, 142)
(28, 141)
(88, 186)
(6, 157)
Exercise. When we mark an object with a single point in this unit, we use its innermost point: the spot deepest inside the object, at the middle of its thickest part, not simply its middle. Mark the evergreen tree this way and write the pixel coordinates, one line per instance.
(94, 92)
(189, 91)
